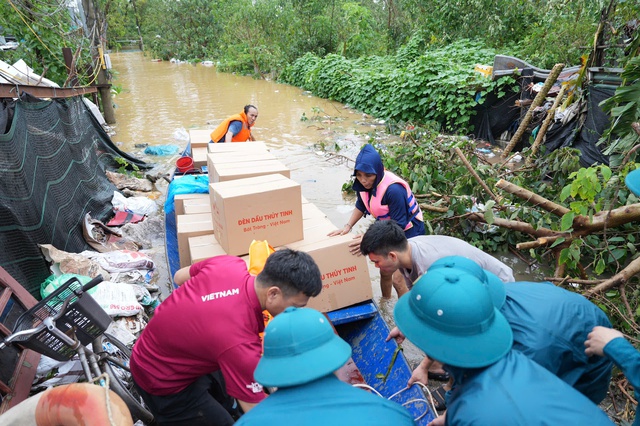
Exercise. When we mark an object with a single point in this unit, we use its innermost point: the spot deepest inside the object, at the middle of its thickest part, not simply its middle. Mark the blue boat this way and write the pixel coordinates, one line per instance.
(377, 363)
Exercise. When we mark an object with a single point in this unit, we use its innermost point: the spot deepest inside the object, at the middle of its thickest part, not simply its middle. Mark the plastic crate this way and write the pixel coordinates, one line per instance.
(83, 313)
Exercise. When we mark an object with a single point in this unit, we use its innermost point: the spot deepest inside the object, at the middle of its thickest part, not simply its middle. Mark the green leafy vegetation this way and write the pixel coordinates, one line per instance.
(42, 29)
(437, 85)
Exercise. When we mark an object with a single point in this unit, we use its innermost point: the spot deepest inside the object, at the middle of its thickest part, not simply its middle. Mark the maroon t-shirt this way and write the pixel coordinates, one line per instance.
(212, 322)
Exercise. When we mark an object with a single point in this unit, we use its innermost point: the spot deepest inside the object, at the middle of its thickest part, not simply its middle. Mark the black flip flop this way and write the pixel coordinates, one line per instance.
(441, 377)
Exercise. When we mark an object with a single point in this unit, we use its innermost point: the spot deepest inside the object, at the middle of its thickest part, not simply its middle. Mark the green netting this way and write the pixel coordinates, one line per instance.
(53, 158)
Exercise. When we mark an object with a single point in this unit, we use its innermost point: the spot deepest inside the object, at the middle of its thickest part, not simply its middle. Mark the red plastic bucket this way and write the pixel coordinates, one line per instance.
(184, 164)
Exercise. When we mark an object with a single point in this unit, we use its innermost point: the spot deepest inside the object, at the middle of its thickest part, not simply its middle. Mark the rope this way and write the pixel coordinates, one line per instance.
(105, 377)
(430, 404)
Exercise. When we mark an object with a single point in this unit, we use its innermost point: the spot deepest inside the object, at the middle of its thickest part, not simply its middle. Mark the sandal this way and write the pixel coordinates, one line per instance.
(441, 377)
(439, 398)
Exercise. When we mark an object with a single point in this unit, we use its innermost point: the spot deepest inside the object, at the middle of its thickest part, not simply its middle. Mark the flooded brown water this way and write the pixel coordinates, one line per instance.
(160, 101)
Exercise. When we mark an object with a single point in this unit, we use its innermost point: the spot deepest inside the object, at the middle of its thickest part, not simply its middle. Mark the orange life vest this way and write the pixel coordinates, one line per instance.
(381, 211)
(242, 136)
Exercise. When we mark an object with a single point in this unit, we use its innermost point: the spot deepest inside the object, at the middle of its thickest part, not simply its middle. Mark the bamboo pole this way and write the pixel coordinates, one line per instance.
(545, 125)
(469, 167)
(537, 101)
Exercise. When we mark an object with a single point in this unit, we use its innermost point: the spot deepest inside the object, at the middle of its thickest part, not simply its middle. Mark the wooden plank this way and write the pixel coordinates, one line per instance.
(15, 90)
(18, 387)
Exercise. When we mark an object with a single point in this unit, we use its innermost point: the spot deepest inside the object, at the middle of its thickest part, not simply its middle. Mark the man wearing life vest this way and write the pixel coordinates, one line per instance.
(236, 128)
(385, 196)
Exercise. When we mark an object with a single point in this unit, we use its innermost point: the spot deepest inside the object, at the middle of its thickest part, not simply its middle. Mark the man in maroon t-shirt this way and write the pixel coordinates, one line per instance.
(209, 327)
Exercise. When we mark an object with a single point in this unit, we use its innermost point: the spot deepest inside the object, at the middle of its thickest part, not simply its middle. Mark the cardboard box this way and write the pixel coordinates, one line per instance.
(345, 277)
(315, 230)
(311, 211)
(258, 208)
(248, 147)
(241, 170)
(200, 138)
(199, 155)
(197, 205)
(204, 247)
(179, 199)
(237, 157)
(191, 225)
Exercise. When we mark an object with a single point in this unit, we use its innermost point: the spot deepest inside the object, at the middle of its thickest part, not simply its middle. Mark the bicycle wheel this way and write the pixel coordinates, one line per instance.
(116, 366)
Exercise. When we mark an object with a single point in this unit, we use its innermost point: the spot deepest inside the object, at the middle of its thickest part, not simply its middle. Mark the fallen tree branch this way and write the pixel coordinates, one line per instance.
(614, 309)
(583, 225)
(618, 279)
(537, 101)
(624, 391)
(514, 225)
(543, 241)
(520, 256)
(533, 198)
(475, 175)
(572, 281)
(433, 208)
(545, 125)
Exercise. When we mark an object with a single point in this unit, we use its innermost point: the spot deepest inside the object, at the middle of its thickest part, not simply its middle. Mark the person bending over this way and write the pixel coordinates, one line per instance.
(386, 197)
(198, 353)
(451, 316)
(236, 128)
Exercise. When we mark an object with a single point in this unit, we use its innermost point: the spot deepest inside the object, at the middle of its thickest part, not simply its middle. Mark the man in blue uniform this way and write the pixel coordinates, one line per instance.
(301, 352)
(549, 324)
(450, 315)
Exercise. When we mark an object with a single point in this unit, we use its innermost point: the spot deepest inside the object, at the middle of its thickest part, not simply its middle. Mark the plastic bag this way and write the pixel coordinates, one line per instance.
(117, 299)
(52, 283)
(162, 150)
(139, 205)
(121, 260)
(190, 184)
(181, 135)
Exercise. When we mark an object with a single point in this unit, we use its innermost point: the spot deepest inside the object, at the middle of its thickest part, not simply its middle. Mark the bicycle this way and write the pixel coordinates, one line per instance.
(62, 325)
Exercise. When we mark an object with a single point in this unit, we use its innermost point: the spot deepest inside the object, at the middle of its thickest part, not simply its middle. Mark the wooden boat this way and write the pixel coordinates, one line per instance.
(377, 363)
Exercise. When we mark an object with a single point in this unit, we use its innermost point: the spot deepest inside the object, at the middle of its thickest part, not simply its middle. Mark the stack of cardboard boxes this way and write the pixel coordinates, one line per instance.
(251, 197)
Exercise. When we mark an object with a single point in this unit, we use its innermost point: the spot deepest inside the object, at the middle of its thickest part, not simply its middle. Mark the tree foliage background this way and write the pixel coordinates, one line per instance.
(260, 36)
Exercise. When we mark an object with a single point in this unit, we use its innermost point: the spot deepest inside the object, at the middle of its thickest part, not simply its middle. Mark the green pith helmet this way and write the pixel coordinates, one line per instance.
(450, 315)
